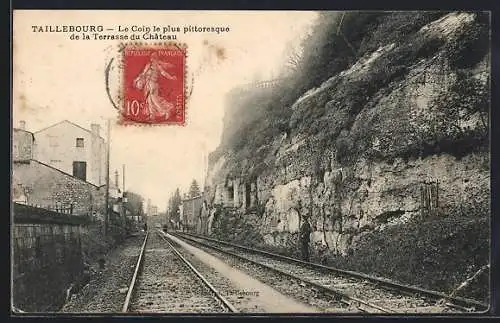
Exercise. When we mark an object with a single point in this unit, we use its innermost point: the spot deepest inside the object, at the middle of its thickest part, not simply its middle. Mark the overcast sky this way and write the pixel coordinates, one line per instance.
(56, 78)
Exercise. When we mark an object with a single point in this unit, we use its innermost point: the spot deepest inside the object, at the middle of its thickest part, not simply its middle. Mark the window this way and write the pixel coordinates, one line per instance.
(80, 170)
(79, 142)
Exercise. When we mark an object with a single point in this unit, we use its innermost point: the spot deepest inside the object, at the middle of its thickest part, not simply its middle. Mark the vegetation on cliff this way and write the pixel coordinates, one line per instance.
(336, 43)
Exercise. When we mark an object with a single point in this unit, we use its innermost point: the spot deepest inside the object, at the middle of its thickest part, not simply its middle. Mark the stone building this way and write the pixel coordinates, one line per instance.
(73, 150)
(35, 182)
(191, 212)
(50, 188)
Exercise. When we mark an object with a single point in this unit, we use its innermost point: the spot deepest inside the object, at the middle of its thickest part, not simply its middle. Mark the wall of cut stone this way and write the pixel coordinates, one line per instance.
(49, 188)
(46, 261)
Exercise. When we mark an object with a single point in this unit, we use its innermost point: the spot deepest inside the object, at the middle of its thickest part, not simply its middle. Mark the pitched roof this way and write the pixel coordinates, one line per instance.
(193, 198)
(19, 129)
(67, 121)
(64, 173)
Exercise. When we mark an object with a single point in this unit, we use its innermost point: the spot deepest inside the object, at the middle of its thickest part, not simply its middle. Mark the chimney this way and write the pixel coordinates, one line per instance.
(22, 125)
(95, 128)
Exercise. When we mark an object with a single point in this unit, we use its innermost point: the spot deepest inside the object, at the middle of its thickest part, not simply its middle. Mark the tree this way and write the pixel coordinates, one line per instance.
(194, 190)
(173, 205)
(134, 204)
(293, 53)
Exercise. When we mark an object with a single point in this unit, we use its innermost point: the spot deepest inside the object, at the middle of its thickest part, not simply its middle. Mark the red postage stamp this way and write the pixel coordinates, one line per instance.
(153, 85)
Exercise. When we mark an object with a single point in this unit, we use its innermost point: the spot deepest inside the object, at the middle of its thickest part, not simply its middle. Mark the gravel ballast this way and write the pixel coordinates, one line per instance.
(104, 293)
(167, 285)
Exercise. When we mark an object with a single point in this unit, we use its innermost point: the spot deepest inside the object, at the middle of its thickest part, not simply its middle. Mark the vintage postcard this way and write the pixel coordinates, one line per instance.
(219, 162)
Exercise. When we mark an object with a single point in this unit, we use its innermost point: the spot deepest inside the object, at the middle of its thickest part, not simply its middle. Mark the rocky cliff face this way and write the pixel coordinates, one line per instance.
(399, 135)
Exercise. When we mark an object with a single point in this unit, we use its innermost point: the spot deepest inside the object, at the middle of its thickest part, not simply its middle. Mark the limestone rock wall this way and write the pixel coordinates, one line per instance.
(386, 175)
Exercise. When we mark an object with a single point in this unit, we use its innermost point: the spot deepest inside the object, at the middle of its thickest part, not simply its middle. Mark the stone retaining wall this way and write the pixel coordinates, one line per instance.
(46, 257)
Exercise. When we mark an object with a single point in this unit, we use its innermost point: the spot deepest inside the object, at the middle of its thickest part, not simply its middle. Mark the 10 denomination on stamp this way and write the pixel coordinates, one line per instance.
(153, 88)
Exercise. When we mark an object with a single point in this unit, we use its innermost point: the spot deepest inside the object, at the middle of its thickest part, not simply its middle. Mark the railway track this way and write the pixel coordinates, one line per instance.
(165, 281)
(366, 293)
(262, 291)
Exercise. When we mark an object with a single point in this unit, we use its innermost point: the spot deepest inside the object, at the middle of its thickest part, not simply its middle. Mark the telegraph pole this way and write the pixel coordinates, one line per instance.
(106, 215)
(123, 176)
(124, 212)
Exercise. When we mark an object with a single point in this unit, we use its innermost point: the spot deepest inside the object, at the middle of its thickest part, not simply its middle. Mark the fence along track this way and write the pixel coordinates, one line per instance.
(462, 304)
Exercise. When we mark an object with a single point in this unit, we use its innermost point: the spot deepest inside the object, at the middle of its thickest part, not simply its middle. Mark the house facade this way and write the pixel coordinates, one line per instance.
(191, 212)
(74, 150)
(40, 174)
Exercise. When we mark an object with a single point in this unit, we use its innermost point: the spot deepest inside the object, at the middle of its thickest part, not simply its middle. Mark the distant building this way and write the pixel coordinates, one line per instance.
(114, 188)
(153, 210)
(191, 212)
(73, 150)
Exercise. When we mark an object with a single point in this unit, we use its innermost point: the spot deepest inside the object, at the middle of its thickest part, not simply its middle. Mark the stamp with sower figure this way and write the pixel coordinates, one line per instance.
(153, 84)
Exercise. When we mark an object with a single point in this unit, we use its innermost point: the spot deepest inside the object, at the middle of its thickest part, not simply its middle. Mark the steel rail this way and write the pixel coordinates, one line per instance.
(338, 295)
(226, 304)
(134, 277)
(464, 304)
